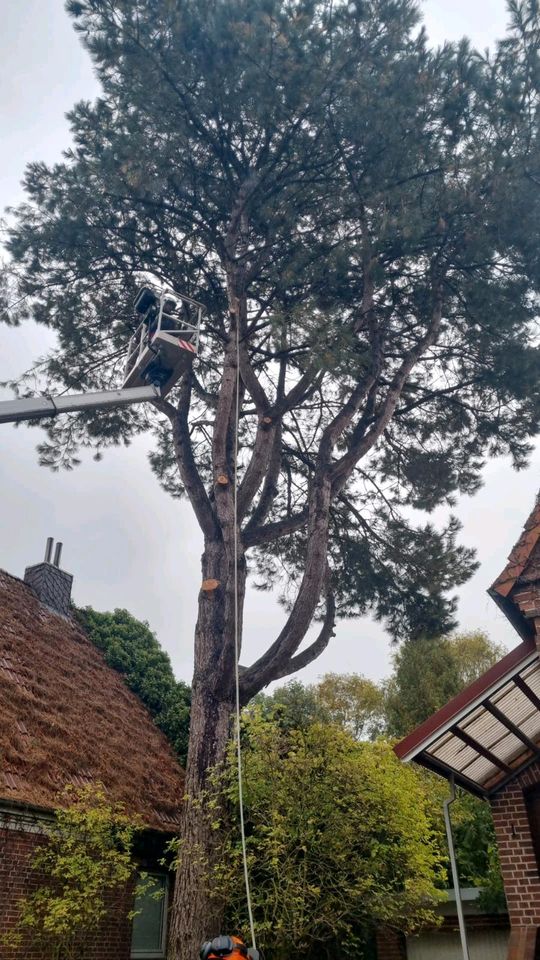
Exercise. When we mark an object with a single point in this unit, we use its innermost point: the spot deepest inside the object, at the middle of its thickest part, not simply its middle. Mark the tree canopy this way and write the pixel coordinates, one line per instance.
(426, 674)
(131, 648)
(348, 700)
(429, 671)
(376, 201)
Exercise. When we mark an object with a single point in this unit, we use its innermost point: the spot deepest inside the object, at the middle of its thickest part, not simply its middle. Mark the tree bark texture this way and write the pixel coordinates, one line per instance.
(196, 913)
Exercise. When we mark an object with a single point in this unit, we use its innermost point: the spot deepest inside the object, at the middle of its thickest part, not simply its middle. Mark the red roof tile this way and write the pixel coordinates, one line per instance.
(520, 553)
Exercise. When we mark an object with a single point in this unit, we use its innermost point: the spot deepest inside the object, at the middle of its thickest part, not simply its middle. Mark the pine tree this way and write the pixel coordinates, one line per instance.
(361, 213)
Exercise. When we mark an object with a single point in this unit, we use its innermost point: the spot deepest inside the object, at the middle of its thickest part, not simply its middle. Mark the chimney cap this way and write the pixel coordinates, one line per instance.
(57, 553)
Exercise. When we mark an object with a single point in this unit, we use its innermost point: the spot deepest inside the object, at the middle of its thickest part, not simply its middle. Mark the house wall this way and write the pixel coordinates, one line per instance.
(18, 878)
(519, 865)
(390, 945)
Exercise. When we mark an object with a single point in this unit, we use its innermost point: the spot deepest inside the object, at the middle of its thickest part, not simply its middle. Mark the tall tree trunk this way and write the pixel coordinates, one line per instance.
(196, 913)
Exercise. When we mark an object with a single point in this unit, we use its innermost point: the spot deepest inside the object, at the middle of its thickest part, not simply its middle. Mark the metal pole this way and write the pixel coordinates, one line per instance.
(34, 408)
(455, 875)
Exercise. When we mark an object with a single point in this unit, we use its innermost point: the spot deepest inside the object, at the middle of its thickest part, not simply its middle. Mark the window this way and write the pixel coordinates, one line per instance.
(149, 934)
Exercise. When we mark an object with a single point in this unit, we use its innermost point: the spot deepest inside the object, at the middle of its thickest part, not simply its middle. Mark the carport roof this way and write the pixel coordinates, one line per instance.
(490, 732)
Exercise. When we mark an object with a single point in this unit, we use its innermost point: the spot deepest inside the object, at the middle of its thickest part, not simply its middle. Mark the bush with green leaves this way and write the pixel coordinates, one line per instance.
(131, 648)
(340, 839)
(86, 857)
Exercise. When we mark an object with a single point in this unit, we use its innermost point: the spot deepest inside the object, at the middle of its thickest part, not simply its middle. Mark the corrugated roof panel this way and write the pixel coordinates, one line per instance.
(481, 771)
(480, 720)
(509, 748)
(531, 727)
(453, 752)
(486, 729)
(532, 677)
(515, 705)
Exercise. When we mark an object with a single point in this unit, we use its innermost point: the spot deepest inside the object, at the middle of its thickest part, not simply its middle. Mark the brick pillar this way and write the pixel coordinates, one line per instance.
(391, 945)
(523, 944)
(519, 870)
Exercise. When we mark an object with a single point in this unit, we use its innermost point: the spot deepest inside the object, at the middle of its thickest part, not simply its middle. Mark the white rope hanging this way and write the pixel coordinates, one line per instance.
(237, 645)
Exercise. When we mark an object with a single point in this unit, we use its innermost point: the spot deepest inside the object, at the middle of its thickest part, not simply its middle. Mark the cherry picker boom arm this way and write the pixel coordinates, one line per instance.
(36, 408)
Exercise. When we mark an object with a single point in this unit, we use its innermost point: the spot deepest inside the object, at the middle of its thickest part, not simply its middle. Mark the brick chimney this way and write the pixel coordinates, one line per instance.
(51, 585)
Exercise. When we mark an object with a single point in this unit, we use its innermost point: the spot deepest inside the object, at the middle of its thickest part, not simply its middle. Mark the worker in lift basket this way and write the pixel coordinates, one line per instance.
(147, 306)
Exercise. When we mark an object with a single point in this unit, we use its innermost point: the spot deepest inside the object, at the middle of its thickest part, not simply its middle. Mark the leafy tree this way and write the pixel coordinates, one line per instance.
(340, 839)
(354, 703)
(131, 648)
(358, 212)
(85, 859)
(429, 671)
(350, 701)
(477, 852)
(294, 706)
(474, 653)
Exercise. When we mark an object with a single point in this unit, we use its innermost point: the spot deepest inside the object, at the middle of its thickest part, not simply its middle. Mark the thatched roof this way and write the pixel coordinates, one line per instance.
(66, 717)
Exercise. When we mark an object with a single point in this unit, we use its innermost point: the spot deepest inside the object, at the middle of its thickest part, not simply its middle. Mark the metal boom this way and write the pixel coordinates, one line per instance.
(37, 408)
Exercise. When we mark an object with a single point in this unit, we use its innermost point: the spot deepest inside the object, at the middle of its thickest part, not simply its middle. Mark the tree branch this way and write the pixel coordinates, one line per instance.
(270, 485)
(256, 536)
(184, 457)
(318, 646)
(257, 467)
(343, 468)
(253, 680)
(315, 571)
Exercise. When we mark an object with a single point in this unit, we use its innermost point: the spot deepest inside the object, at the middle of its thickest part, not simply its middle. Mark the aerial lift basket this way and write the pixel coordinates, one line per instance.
(165, 341)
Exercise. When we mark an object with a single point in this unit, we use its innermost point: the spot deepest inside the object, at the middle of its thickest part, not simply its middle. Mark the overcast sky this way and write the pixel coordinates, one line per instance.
(127, 543)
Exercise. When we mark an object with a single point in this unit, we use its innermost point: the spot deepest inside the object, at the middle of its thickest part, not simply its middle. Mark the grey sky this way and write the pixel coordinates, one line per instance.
(126, 542)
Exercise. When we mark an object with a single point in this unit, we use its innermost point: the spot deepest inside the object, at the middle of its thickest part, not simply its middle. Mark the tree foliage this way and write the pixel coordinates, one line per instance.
(352, 189)
(429, 671)
(354, 703)
(131, 648)
(340, 839)
(348, 700)
(294, 706)
(477, 852)
(85, 858)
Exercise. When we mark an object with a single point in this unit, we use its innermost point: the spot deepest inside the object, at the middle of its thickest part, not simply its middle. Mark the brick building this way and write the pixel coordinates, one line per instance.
(488, 740)
(68, 718)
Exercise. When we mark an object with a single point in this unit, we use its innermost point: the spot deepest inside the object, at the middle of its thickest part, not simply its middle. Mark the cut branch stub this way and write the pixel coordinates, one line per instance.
(222, 480)
(208, 586)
